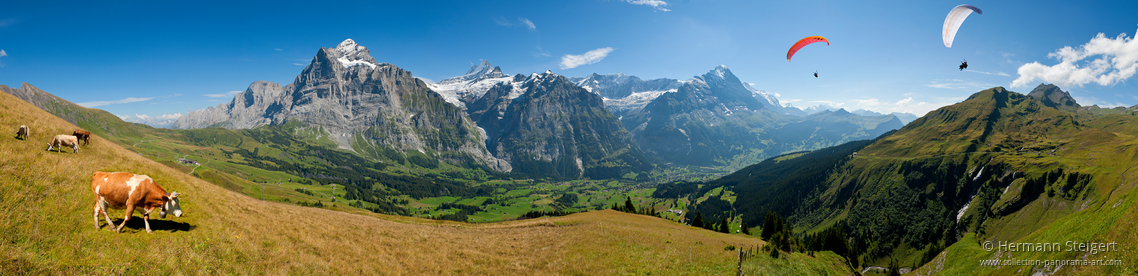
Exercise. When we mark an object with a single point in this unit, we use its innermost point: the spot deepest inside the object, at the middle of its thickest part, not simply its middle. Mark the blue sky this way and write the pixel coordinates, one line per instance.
(168, 58)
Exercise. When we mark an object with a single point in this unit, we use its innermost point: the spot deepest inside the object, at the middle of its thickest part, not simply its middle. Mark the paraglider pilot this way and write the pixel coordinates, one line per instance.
(964, 65)
(815, 74)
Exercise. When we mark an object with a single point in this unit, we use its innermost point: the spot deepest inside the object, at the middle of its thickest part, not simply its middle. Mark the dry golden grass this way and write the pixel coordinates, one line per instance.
(46, 227)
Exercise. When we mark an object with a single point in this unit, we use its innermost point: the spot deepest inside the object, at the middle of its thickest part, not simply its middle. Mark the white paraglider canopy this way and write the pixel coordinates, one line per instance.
(952, 23)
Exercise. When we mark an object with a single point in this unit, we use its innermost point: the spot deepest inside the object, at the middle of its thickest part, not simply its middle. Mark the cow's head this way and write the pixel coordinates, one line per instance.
(171, 205)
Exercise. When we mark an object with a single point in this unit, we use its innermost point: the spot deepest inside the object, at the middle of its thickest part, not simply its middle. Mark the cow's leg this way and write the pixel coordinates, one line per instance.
(129, 212)
(146, 219)
(103, 208)
(97, 214)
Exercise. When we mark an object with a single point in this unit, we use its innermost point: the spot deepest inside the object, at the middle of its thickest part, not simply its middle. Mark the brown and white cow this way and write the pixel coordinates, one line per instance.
(83, 135)
(64, 140)
(24, 131)
(120, 190)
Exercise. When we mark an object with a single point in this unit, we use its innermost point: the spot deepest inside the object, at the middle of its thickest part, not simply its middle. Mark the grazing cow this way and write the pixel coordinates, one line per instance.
(64, 140)
(24, 131)
(127, 190)
(83, 135)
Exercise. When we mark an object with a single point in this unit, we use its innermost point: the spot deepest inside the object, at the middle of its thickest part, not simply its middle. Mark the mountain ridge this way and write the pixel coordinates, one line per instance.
(716, 119)
(546, 125)
(364, 106)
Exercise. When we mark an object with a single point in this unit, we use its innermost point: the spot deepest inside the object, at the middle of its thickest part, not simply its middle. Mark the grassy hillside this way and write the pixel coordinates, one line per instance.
(298, 164)
(1000, 166)
(46, 227)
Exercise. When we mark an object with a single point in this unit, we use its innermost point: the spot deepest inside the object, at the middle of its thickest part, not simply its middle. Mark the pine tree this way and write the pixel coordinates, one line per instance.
(743, 227)
(772, 224)
(723, 226)
(698, 221)
(628, 207)
(893, 269)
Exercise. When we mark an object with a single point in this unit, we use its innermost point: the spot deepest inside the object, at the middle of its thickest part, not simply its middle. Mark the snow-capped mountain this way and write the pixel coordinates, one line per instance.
(547, 126)
(623, 93)
(163, 121)
(363, 106)
(469, 87)
(771, 101)
(349, 54)
(715, 119)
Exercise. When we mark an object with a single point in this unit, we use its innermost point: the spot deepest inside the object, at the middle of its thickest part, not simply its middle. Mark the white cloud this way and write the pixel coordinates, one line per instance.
(160, 117)
(164, 120)
(228, 94)
(957, 84)
(298, 64)
(278, 49)
(1089, 101)
(869, 102)
(501, 21)
(170, 116)
(1117, 61)
(8, 22)
(541, 53)
(997, 73)
(906, 105)
(656, 4)
(3, 53)
(122, 101)
(527, 23)
(590, 57)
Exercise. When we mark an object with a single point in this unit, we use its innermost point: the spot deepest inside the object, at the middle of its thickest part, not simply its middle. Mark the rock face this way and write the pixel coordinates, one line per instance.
(364, 106)
(704, 117)
(1053, 97)
(547, 126)
(248, 109)
(715, 119)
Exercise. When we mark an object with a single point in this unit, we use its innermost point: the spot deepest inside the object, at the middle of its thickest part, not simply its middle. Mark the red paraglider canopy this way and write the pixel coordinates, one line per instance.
(803, 43)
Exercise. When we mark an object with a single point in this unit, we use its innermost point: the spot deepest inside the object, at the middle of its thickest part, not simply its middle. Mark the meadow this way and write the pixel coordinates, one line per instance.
(46, 226)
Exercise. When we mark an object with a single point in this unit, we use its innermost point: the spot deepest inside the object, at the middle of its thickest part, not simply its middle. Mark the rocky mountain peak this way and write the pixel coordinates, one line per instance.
(719, 75)
(1052, 96)
(480, 68)
(546, 125)
(349, 54)
(361, 105)
(477, 72)
(722, 84)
